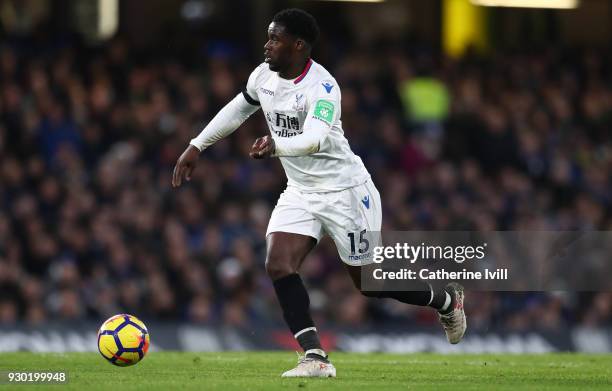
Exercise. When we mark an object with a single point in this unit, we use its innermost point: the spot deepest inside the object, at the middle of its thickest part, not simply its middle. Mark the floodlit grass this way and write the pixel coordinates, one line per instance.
(262, 370)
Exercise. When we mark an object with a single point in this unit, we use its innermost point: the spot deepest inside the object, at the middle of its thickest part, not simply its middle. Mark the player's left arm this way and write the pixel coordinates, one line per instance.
(324, 110)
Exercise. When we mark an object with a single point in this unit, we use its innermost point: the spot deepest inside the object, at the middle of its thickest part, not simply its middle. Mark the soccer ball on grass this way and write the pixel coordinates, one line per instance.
(123, 340)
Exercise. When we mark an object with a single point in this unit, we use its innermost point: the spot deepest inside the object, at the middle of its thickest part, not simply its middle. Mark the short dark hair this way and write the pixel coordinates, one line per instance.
(298, 23)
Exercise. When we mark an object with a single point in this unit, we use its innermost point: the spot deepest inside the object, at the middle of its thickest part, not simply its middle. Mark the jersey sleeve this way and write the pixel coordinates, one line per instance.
(323, 112)
(250, 91)
(323, 105)
(228, 119)
(232, 115)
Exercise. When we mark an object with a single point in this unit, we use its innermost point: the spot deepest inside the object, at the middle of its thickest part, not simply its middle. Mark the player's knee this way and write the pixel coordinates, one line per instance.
(278, 267)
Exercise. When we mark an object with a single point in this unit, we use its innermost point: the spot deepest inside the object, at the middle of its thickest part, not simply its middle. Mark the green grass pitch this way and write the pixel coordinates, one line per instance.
(261, 371)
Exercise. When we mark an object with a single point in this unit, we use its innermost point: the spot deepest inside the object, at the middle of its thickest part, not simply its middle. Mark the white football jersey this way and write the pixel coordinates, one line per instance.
(289, 106)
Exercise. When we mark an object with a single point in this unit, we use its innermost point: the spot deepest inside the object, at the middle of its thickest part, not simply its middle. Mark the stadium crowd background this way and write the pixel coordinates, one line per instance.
(89, 225)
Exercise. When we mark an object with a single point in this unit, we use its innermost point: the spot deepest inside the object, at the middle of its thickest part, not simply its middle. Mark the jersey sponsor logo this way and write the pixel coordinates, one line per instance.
(328, 86)
(287, 122)
(324, 110)
(366, 201)
(286, 133)
(267, 92)
(283, 125)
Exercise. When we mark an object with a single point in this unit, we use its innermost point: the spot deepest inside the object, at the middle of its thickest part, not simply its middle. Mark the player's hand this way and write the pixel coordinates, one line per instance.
(262, 148)
(185, 165)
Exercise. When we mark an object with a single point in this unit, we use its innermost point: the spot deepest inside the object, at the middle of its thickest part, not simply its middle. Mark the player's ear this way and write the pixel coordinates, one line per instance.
(300, 44)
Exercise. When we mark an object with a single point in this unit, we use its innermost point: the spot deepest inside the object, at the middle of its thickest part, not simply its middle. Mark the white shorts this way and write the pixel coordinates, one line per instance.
(352, 217)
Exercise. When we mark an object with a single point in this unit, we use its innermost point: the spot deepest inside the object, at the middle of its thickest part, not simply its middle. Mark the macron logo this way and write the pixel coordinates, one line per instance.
(328, 87)
(366, 201)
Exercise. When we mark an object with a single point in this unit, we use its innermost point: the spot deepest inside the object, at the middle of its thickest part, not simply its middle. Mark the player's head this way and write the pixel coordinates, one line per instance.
(291, 36)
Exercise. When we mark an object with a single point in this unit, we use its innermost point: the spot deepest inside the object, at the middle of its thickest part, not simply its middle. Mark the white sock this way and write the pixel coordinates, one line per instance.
(447, 303)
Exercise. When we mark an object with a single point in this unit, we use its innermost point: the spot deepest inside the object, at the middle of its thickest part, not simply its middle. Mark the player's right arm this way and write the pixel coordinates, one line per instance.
(227, 120)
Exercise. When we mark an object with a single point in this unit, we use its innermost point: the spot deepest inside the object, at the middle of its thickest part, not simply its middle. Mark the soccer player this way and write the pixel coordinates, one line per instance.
(329, 191)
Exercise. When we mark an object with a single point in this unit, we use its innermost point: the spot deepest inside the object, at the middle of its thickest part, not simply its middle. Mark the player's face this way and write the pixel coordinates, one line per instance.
(278, 50)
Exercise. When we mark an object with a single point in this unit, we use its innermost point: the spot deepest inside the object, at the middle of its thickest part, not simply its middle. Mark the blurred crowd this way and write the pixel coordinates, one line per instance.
(90, 226)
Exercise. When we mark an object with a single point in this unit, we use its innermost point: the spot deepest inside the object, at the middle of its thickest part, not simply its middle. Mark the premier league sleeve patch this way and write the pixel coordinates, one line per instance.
(324, 110)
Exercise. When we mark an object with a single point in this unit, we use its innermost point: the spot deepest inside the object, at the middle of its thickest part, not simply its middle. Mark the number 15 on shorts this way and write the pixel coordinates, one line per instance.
(363, 244)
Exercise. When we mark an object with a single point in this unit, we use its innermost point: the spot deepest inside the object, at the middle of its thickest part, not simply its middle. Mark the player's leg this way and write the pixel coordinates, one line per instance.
(292, 234)
(448, 301)
(285, 253)
(419, 293)
(354, 220)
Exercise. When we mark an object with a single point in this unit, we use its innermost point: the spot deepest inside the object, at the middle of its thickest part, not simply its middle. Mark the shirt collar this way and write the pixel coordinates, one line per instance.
(304, 72)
